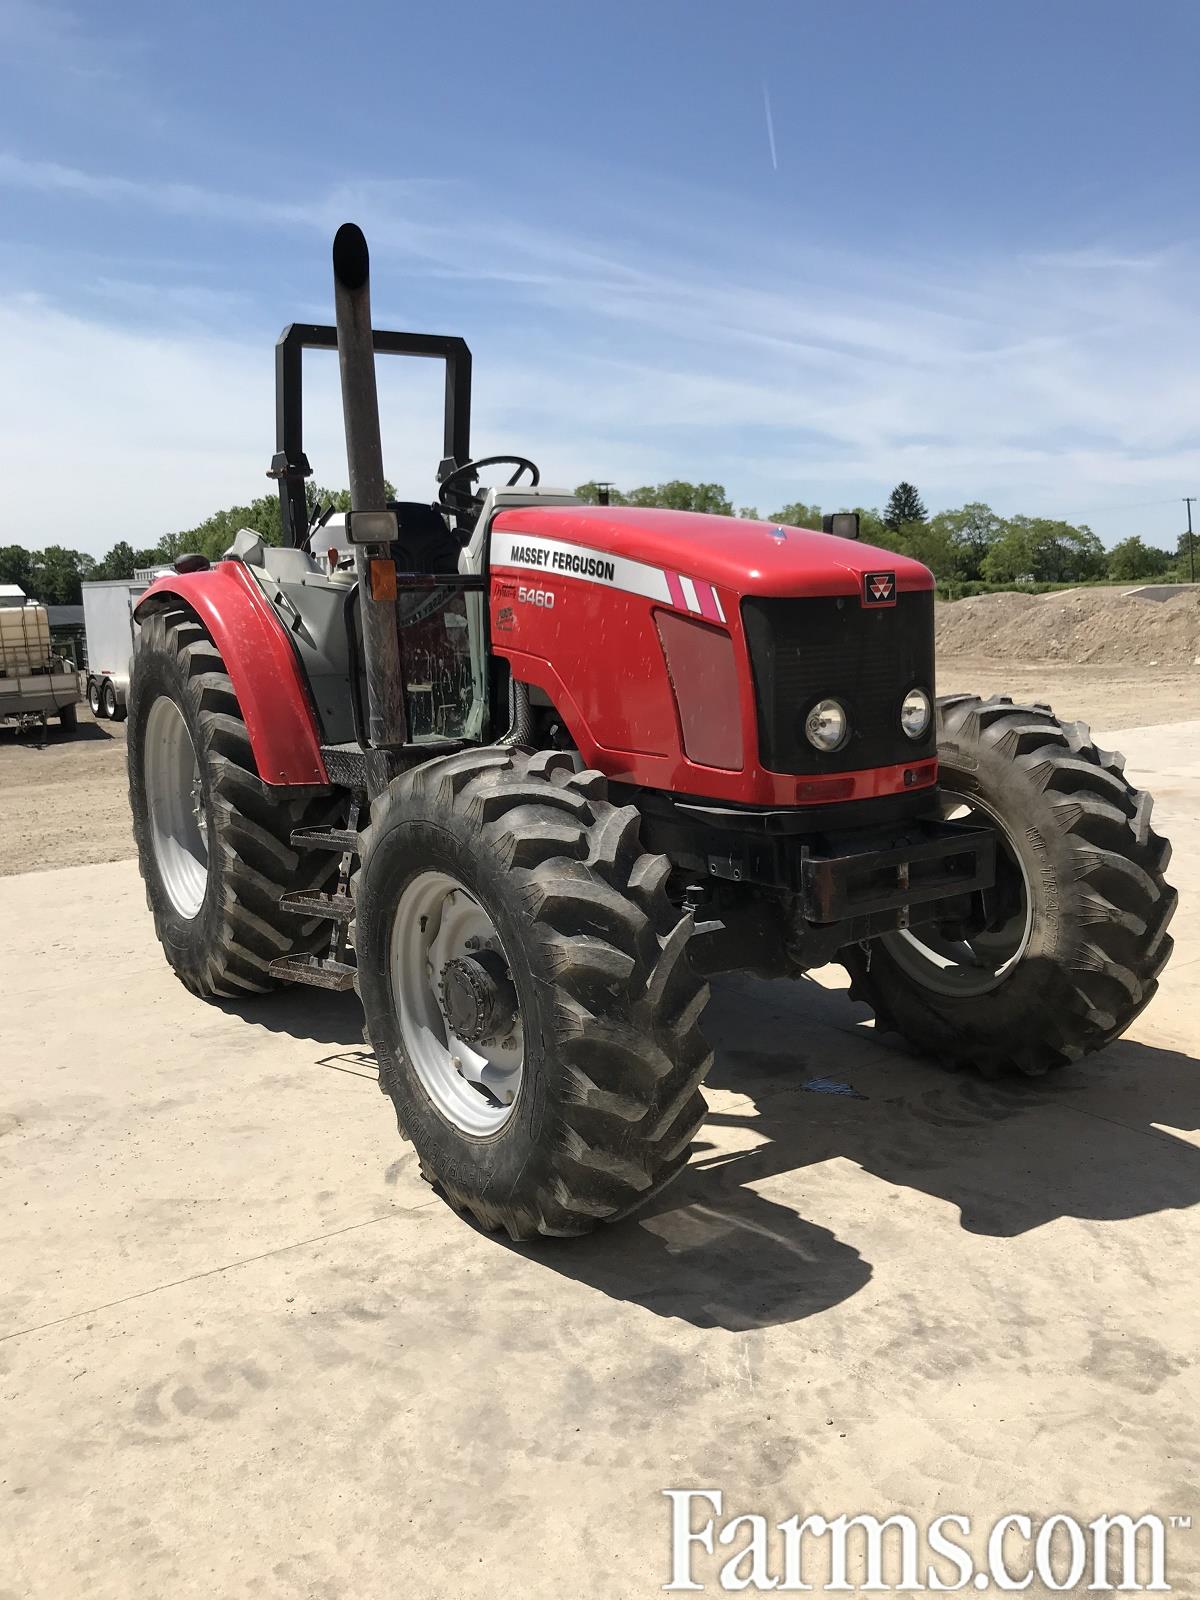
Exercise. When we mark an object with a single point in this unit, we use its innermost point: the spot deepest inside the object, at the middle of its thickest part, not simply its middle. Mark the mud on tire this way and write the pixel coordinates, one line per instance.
(609, 1100)
(228, 946)
(1097, 938)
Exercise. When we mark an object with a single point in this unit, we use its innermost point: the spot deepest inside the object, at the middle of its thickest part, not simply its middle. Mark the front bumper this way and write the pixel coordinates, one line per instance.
(862, 875)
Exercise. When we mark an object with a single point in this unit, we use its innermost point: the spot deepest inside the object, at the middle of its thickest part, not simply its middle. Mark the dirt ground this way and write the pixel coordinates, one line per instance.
(66, 805)
(1074, 627)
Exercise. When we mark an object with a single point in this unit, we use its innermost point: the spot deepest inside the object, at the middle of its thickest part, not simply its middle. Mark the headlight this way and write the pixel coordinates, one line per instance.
(827, 726)
(915, 714)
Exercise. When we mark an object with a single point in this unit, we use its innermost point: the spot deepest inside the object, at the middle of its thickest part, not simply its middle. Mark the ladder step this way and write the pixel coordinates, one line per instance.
(337, 907)
(327, 974)
(338, 839)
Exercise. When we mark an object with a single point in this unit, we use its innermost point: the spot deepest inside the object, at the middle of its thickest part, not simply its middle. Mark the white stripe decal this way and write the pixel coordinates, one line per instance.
(689, 593)
(720, 607)
(579, 561)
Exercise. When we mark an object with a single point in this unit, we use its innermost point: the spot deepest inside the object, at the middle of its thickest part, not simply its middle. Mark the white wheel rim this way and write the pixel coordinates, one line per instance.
(976, 966)
(474, 1085)
(175, 798)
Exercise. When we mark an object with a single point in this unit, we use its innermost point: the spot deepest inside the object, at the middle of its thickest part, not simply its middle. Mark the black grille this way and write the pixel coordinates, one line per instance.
(804, 650)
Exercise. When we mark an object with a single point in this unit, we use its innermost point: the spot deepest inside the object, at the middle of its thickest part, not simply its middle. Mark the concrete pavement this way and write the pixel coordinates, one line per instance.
(245, 1350)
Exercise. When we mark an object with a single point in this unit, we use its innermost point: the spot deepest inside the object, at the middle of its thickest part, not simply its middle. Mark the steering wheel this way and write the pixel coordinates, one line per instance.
(471, 469)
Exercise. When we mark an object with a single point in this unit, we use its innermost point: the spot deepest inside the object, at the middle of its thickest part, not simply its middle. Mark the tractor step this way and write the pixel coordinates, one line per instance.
(337, 907)
(337, 839)
(327, 974)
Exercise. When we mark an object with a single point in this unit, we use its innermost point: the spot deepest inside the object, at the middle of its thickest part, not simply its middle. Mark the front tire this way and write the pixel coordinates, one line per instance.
(1081, 907)
(214, 842)
(563, 927)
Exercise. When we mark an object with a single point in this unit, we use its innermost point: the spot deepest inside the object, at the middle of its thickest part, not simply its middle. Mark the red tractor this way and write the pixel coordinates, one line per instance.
(525, 771)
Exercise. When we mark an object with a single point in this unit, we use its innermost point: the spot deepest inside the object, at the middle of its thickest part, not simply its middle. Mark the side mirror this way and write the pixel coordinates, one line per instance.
(842, 524)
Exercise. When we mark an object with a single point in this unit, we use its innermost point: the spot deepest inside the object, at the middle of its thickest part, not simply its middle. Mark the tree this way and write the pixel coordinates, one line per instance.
(675, 495)
(798, 515)
(1187, 556)
(590, 493)
(1046, 551)
(929, 544)
(16, 565)
(1134, 559)
(974, 529)
(119, 562)
(56, 573)
(679, 495)
(904, 505)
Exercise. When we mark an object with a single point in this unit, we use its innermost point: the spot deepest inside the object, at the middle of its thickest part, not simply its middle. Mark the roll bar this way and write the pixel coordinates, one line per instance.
(290, 467)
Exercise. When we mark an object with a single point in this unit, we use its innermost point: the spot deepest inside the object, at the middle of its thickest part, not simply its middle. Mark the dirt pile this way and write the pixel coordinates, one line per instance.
(1076, 626)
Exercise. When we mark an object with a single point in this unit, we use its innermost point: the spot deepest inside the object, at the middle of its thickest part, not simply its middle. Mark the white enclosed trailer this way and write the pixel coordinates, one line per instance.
(111, 637)
(35, 682)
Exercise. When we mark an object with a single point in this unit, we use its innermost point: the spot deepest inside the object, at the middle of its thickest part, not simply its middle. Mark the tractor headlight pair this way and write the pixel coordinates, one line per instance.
(827, 727)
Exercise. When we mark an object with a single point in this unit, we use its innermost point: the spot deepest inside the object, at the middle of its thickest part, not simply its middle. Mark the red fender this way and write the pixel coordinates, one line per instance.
(259, 657)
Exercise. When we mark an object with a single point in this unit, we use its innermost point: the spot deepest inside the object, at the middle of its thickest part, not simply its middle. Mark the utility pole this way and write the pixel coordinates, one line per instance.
(1187, 500)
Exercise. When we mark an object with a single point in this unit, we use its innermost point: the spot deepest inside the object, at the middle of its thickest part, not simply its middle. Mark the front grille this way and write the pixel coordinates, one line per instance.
(805, 650)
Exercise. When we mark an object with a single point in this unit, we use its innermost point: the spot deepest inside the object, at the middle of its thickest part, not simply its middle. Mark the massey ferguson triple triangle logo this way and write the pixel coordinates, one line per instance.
(879, 588)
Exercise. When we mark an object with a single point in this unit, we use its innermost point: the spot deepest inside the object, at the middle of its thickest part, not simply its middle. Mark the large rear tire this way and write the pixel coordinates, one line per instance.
(68, 718)
(1079, 931)
(214, 841)
(503, 901)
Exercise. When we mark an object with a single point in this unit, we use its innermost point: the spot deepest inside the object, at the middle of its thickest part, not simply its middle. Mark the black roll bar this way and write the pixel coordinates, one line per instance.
(290, 465)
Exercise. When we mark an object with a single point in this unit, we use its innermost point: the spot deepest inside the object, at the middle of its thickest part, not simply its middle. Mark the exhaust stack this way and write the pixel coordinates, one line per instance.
(371, 526)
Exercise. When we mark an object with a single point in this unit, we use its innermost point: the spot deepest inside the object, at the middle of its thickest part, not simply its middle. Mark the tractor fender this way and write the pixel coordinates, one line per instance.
(261, 662)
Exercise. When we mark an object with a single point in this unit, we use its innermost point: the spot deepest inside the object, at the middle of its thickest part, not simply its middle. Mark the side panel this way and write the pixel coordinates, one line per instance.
(261, 662)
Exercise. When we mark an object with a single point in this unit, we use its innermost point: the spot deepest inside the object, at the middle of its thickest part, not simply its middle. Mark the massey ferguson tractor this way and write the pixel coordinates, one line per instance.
(525, 772)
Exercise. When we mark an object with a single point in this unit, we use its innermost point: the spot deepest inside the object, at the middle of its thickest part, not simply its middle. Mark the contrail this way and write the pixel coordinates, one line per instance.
(770, 126)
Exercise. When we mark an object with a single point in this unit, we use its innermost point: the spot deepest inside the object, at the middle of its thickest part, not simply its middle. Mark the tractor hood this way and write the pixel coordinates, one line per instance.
(750, 558)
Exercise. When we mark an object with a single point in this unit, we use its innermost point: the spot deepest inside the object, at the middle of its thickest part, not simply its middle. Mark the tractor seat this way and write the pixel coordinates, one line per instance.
(425, 542)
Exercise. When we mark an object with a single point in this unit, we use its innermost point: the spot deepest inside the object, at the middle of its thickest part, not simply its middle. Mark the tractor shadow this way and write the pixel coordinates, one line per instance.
(727, 1246)
(724, 1248)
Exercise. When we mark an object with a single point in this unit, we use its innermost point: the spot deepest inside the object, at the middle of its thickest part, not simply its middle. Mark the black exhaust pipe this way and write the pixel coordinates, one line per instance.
(387, 722)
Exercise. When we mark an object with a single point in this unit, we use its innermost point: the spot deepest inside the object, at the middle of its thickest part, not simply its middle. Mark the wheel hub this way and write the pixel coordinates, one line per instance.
(175, 800)
(456, 1003)
(478, 997)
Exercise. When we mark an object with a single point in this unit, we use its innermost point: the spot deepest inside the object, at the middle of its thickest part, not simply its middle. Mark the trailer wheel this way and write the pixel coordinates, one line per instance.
(214, 842)
(527, 991)
(68, 718)
(113, 709)
(1076, 930)
(94, 701)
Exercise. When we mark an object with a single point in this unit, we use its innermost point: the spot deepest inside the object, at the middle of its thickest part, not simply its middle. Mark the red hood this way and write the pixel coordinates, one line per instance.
(748, 557)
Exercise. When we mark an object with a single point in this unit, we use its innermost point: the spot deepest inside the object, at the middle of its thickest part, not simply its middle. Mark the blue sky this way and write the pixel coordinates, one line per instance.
(970, 260)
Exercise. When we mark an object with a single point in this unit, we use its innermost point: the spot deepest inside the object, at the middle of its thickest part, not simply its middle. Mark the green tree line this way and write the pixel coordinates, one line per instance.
(968, 545)
(54, 575)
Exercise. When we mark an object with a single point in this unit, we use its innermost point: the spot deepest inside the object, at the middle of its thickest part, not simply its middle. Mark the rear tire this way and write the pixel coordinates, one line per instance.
(1097, 903)
(68, 719)
(241, 841)
(607, 1003)
(94, 700)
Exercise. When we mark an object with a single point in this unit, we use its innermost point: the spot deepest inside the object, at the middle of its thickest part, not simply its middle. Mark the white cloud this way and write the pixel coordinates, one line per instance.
(1058, 383)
